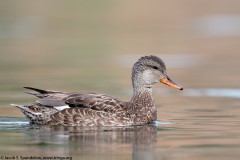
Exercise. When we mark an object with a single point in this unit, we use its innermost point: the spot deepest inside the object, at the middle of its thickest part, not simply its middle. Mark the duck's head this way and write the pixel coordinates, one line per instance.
(149, 70)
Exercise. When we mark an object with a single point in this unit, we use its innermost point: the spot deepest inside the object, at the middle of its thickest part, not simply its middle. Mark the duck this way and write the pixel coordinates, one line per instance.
(93, 109)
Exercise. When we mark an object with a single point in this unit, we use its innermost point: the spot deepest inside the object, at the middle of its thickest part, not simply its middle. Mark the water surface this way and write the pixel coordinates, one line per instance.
(208, 129)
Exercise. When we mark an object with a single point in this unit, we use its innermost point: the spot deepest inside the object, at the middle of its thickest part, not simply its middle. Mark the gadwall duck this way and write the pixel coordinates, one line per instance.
(91, 109)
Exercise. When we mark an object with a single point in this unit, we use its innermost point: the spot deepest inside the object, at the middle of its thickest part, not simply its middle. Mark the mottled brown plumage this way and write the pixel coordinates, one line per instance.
(91, 109)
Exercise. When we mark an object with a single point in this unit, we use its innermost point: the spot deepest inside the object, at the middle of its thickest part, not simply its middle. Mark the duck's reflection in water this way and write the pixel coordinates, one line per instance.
(110, 142)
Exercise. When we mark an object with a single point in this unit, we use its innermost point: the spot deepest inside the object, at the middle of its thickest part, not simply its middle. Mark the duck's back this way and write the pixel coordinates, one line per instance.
(75, 109)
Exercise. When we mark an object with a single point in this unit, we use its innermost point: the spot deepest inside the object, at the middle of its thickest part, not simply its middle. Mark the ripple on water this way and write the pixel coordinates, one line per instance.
(12, 123)
(7, 123)
(213, 92)
(203, 92)
(159, 123)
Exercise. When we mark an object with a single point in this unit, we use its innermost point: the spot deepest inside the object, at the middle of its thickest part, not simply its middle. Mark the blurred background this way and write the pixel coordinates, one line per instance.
(92, 45)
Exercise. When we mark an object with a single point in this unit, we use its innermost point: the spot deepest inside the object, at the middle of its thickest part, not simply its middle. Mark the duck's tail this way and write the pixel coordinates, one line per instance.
(35, 113)
(40, 93)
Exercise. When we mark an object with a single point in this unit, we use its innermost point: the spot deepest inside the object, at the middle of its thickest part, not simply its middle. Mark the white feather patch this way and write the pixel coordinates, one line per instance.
(36, 113)
(60, 108)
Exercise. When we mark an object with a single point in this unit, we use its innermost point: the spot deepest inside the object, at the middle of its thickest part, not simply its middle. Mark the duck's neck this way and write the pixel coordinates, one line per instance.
(142, 95)
(142, 88)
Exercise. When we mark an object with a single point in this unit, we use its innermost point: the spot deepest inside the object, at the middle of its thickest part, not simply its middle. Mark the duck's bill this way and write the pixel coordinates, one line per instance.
(166, 80)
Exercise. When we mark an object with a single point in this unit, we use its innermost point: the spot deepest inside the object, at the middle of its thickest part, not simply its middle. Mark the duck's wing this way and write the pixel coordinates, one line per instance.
(62, 100)
(98, 102)
(91, 110)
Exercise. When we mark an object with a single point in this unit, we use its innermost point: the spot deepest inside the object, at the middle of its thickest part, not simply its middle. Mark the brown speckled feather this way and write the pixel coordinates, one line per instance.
(87, 117)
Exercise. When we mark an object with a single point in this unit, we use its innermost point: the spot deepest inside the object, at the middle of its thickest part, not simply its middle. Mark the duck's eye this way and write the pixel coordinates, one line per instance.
(155, 67)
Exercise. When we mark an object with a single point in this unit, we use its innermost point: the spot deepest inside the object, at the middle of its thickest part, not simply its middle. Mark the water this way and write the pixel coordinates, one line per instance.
(206, 129)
